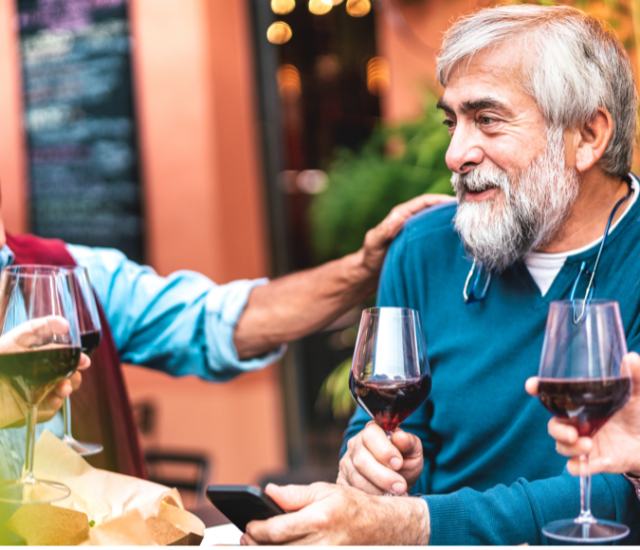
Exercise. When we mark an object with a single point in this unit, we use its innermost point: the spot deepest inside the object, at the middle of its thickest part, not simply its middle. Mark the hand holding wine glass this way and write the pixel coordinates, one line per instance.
(614, 448)
(583, 381)
(390, 379)
(37, 302)
(12, 407)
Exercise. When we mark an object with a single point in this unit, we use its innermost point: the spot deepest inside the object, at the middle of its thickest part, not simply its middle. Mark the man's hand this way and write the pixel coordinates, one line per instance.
(20, 339)
(326, 514)
(378, 239)
(377, 466)
(615, 448)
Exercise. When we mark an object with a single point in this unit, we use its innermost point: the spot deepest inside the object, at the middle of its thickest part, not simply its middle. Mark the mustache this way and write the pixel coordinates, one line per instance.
(480, 179)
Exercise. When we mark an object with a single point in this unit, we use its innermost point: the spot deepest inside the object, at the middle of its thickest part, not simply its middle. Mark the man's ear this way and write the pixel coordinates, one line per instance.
(594, 138)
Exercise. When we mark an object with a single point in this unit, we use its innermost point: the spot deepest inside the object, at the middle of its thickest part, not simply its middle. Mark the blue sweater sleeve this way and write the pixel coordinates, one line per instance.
(516, 514)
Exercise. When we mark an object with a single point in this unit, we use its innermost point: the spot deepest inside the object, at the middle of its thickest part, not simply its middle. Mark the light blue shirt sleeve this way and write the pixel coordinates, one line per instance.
(181, 324)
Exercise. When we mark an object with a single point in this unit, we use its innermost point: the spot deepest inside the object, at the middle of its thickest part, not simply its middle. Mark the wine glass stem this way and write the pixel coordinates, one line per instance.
(585, 492)
(66, 414)
(32, 418)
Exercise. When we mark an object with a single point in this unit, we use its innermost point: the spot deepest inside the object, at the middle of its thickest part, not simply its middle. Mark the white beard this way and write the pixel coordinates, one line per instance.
(527, 212)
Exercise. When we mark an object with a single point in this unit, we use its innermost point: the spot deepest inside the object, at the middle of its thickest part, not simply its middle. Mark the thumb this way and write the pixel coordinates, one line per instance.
(293, 497)
(408, 444)
(632, 362)
(531, 385)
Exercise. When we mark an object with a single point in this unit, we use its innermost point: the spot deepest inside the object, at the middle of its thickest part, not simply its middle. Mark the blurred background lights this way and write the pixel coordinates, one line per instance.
(320, 7)
(377, 75)
(279, 33)
(312, 182)
(336, 2)
(289, 85)
(358, 8)
(282, 7)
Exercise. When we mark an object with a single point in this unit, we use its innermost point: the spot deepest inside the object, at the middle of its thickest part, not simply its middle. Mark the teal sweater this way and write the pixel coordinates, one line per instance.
(491, 474)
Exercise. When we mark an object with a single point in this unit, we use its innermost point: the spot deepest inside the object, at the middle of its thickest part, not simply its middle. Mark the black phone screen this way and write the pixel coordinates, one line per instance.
(242, 503)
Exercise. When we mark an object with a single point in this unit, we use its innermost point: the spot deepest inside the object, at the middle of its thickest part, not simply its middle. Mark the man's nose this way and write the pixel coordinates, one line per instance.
(464, 152)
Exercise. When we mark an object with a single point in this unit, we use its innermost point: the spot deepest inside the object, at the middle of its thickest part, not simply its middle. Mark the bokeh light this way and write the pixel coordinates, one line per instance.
(358, 8)
(337, 2)
(279, 33)
(289, 85)
(320, 7)
(282, 7)
(378, 75)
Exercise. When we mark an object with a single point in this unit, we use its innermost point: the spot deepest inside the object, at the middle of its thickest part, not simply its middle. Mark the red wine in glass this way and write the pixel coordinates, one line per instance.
(390, 376)
(584, 403)
(583, 381)
(390, 402)
(90, 334)
(90, 341)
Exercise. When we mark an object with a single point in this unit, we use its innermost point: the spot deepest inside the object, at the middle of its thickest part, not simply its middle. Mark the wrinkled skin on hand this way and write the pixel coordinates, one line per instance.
(377, 465)
(20, 339)
(377, 240)
(327, 514)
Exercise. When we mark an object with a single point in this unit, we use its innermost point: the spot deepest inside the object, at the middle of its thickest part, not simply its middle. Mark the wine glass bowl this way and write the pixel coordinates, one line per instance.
(390, 376)
(39, 347)
(90, 334)
(583, 380)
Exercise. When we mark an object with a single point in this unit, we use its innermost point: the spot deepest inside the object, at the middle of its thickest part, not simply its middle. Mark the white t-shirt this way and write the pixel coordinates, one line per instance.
(544, 267)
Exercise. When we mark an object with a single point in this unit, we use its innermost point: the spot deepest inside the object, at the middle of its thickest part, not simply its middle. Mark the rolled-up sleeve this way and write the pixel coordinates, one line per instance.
(182, 324)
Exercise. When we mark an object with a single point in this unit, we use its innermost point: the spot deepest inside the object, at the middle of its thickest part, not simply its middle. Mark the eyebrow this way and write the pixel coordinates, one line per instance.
(475, 104)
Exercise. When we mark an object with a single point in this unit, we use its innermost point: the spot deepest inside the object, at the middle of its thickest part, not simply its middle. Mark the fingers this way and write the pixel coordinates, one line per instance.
(292, 497)
(631, 361)
(293, 526)
(372, 462)
(561, 432)
(531, 386)
(408, 444)
(401, 213)
(85, 362)
(36, 330)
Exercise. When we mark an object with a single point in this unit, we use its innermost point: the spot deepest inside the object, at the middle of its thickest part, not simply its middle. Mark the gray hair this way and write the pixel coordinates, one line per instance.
(579, 66)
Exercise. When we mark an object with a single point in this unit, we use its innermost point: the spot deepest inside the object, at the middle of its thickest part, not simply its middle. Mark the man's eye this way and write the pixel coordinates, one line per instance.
(486, 120)
(449, 123)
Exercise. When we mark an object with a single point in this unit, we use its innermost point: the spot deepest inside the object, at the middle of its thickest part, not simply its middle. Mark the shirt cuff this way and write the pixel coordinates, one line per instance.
(223, 308)
(448, 517)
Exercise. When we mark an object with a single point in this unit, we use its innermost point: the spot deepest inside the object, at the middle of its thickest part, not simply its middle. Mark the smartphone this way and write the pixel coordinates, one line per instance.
(242, 503)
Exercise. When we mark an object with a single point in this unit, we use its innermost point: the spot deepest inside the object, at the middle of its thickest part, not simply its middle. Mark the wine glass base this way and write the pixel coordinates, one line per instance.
(33, 492)
(567, 530)
(82, 448)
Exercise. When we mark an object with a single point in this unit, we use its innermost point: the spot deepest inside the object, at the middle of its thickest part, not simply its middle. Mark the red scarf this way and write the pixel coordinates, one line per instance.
(100, 409)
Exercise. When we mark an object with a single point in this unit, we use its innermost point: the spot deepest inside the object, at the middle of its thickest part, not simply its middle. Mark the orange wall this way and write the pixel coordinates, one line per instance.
(193, 80)
(12, 155)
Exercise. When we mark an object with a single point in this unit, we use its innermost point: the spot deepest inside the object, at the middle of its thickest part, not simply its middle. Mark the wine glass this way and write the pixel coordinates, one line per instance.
(90, 334)
(390, 376)
(39, 347)
(583, 381)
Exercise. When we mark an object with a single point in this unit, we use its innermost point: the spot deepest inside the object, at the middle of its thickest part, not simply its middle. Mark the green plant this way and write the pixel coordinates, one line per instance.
(335, 391)
(396, 164)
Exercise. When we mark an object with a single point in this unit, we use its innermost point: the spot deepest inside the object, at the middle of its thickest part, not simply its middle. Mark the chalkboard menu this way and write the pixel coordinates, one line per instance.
(79, 120)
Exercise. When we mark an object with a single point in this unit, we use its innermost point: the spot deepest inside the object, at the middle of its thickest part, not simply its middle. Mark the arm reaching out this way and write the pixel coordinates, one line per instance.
(615, 448)
(299, 304)
(12, 408)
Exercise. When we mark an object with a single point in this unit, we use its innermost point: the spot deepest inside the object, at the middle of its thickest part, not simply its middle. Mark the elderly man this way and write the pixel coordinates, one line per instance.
(541, 107)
